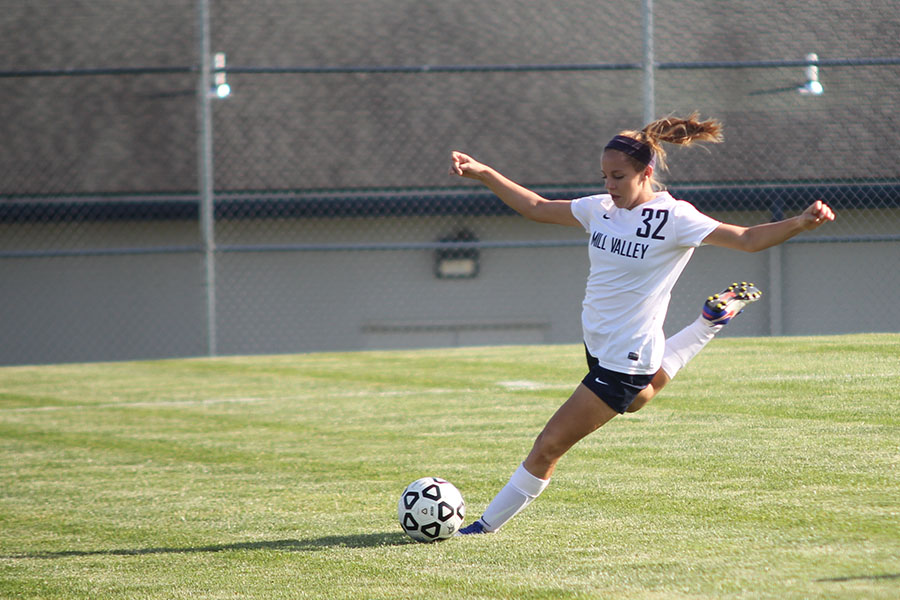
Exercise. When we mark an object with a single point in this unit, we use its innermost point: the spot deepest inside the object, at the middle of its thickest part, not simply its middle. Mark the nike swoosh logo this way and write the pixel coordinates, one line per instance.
(605, 216)
(600, 382)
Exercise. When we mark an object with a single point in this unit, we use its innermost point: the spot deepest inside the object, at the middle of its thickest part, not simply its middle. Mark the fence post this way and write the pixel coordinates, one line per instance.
(776, 278)
(648, 63)
(205, 173)
(776, 304)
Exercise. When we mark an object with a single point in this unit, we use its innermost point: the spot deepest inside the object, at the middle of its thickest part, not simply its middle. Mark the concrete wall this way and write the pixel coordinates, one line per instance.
(88, 308)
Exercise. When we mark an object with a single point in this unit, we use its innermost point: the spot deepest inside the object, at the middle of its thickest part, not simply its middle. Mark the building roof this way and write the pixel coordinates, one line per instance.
(135, 133)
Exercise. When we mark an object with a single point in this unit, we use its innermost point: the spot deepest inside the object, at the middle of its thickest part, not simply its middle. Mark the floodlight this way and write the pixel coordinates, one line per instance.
(456, 261)
(220, 88)
(812, 86)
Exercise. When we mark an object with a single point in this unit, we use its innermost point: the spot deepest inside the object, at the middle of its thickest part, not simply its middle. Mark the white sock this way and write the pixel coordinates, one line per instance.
(522, 488)
(686, 344)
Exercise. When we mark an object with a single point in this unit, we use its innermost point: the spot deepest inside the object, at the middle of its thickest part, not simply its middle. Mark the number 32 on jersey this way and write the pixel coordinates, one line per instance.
(654, 221)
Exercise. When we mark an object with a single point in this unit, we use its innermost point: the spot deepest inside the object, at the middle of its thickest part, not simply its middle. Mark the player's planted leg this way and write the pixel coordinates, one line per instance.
(519, 492)
(580, 415)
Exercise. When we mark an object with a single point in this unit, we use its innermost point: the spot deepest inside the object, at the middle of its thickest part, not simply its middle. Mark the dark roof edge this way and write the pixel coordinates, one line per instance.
(709, 197)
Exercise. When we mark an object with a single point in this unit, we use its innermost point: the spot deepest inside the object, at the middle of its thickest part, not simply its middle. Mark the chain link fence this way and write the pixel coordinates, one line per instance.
(322, 215)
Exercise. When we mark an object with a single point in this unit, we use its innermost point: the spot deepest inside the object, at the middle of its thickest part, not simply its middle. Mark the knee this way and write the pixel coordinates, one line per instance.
(548, 447)
(642, 399)
(637, 405)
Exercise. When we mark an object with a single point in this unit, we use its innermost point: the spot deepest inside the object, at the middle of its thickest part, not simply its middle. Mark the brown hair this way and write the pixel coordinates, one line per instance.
(673, 130)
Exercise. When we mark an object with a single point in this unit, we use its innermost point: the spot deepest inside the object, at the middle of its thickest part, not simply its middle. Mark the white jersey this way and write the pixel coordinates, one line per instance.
(636, 256)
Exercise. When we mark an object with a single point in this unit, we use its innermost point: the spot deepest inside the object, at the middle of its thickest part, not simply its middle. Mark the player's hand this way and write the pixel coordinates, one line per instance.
(466, 166)
(816, 214)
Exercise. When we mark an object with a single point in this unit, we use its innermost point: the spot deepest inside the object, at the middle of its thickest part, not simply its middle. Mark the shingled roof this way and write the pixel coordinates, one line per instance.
(348, 130)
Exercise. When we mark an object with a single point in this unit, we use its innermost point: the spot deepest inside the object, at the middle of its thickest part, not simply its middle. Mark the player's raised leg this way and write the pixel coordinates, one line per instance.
(718, 310)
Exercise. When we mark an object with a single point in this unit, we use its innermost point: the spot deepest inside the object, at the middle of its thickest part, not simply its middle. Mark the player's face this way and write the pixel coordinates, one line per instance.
(627, 186)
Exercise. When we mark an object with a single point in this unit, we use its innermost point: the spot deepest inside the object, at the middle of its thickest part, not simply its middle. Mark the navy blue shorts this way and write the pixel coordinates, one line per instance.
(618, 390)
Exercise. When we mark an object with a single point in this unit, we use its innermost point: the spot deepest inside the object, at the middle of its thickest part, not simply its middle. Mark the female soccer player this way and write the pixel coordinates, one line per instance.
(641, 238)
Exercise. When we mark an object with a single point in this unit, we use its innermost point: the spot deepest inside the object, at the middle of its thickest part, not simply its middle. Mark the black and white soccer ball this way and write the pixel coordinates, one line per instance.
(431, 509)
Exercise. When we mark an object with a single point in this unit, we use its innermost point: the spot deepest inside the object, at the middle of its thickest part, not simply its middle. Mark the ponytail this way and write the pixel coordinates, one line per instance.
(675, 130)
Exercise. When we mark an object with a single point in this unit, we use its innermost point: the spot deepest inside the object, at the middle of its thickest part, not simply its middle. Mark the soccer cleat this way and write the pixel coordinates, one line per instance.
(473, 528)
(730, 302)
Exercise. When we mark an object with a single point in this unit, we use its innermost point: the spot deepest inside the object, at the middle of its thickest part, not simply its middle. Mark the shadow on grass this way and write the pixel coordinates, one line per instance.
(860, 578)
(370, 540)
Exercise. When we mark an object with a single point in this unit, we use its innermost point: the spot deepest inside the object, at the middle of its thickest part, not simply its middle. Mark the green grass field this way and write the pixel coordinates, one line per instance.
(770, 468)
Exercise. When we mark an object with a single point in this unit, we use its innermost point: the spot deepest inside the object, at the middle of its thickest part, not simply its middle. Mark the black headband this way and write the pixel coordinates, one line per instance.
(632, 147)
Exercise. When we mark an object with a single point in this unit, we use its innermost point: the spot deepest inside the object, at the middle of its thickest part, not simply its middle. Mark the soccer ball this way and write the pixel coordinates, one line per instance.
(431, 509)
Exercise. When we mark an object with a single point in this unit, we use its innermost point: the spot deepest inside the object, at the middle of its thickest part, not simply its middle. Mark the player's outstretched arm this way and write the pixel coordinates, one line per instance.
(522, 200)
(760, 237)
